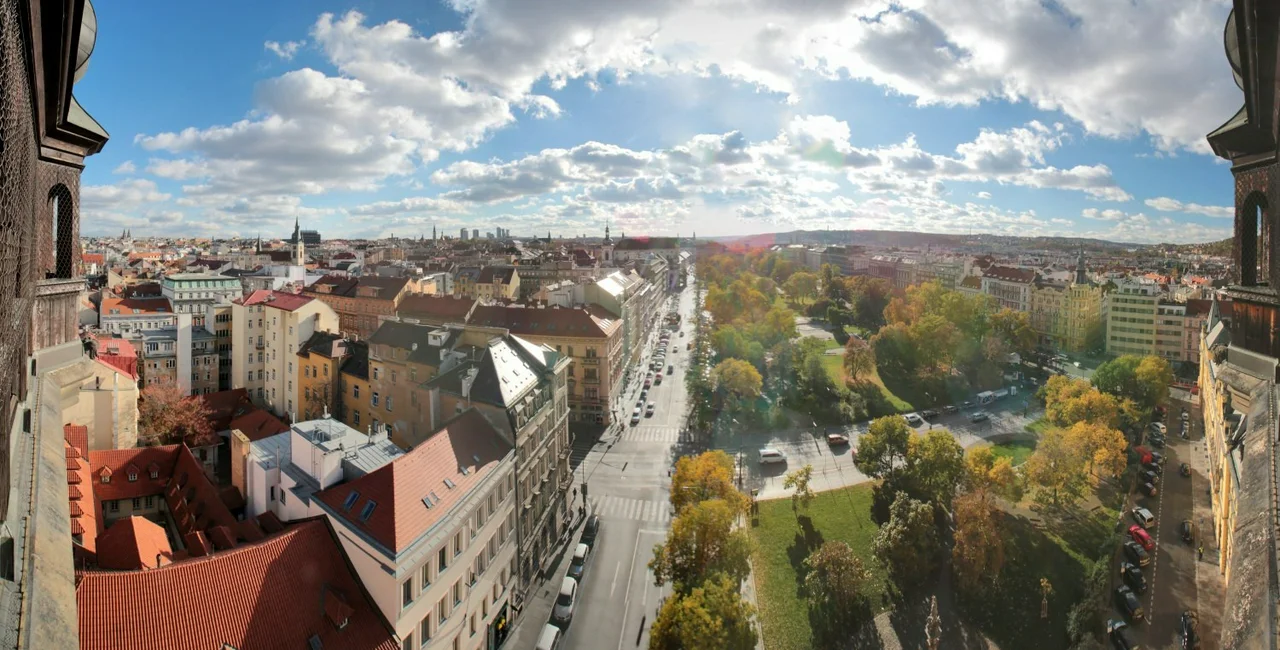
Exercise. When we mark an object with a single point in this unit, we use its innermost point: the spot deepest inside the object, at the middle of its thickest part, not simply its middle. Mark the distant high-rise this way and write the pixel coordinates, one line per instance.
(464, 233)
(475, 233)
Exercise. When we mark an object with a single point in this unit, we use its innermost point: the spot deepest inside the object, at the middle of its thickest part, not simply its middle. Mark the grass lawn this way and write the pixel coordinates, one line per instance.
(1017, 451)
(1039, 426)
(835, 367)
(783, 542)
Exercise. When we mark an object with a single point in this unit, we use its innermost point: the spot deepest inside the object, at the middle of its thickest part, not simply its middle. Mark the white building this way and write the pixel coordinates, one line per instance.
(124, 315)
(192, 293)
(268, 328)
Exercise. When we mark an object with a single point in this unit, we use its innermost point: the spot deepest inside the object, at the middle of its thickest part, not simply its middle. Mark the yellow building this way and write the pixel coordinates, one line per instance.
(497, 283)
(1066, 315)
(319, 374)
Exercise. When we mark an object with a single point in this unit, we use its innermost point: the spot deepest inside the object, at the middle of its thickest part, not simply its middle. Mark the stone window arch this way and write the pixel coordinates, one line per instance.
(63, 230)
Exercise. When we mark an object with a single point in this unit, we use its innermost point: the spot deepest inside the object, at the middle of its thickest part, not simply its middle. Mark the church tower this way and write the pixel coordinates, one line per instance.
(606, 248)
(1082, 271)
(299, 249)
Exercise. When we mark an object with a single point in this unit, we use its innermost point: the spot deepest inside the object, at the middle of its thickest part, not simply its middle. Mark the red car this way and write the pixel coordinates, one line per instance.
(1140, 536)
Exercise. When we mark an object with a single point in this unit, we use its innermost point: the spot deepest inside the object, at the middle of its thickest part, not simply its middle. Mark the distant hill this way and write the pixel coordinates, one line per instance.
(1215, 248)
(906, 239)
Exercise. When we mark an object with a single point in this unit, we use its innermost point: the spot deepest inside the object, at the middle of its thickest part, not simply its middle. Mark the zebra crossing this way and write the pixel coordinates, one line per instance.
(651, 433)
(636, 509)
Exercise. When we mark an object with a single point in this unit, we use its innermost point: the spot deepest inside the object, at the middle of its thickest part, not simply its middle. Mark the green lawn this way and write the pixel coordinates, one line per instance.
(1039, 426)
(835, 368)
(1017, 451)
(783, 542)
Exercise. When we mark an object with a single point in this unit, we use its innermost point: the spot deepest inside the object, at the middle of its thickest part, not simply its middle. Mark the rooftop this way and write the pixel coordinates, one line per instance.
(276, 299)
(435, 307)
(528, 321)
(132, 306)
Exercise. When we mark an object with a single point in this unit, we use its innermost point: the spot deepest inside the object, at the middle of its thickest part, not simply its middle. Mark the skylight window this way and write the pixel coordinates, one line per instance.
(368, 510)
(351, 500)
(449, 484)
(435, 498)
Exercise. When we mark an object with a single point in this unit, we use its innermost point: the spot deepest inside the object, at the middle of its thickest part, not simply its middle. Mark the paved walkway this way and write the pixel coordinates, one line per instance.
(1210, 588)
(542, 595)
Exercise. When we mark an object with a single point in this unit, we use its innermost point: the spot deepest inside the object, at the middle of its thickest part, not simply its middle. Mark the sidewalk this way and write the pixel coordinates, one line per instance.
(542, 595)
(1210, 588)
(749, 591)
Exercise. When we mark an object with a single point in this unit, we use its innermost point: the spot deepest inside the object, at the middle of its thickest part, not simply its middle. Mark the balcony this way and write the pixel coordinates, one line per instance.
(55, 312)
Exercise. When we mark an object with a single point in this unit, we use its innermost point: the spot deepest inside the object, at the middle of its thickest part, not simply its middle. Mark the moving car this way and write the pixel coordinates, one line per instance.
(1128, 603)
(1188, 625)
(1140, 535)
(648, 410)
(837, 439)
(951, 408)
(562, 613)
(929, 414)
(1118, 631)
(1143, 516)
(591, 530)
(635, 416)
(671, 369)
(1133, 576)
(657, 381)
(578, 565)
(1136, 553)
(1188, 531)
(914, 419)
(769, 456)
(979, 416)
(1184, 469)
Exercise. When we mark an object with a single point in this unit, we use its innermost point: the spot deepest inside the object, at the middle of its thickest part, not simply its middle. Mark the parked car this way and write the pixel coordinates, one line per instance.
(1188, 630)
(1128, 603)
(914, 419)
(591, 530)
(635, 416)
(648, 410)
(1136, 553)
(1153, 467)
(566, 601)
(1188, 531)
(1184, 469)
(657, 381)
(1118, 631)
(1148, 489)
(769, 456)
(1148, 476)
(1156, 441)
(979, 416)
(1133, 576)
(550, 638)
(578, 565)
(966, 404)
(929, 414)
(1159, 427)
(951, 408)
(1157, 458)
(1141, 536)
(1143, 516)
(837, 439)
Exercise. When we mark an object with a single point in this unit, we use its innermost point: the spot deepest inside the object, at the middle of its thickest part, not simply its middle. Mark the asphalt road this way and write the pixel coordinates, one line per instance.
(626, 473)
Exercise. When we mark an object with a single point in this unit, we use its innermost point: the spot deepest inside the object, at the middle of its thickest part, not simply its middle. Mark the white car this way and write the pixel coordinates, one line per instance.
(648, 411)
(562, 613)
(769, 456)
(1144, 517)
(914, 419)
(635, 416)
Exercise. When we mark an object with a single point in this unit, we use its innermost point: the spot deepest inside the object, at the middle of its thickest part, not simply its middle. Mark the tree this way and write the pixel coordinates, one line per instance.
(1057, 469)
(907, 545)
(935, 464)
(1068, 401)
(1101, 447)
(779, 325)
(702, 541)
(859, 359)
(706, 476)
(798, 482)
(713, 615)
(738, 379)
(801, 285)
(1145, 380)
(884, 446)
(168, 416)
(987, 474)
(978, 553)
(834, 578)
(1014, 328)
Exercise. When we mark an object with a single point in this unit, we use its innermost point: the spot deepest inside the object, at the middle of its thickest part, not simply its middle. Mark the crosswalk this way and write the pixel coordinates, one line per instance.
(651, 433)
(635, 509)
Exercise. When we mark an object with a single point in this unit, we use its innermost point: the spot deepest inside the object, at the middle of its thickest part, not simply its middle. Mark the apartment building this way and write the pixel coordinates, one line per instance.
(217, 319)
(361, 303)
(401, 357)
(268, 329)
(1131, 317)
(319, 374)
(186, 356)
(353, 385)
(193, 293)
(1068, 315)
(497, 283)
(124, 315)
(635, 301)
(435, 310)
(1170, 322)
(592, 339)
(1011, 287)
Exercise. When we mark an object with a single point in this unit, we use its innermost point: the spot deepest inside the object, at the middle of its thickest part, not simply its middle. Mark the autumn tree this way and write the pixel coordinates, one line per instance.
(801, 285)
(1057, 469)
(1145, 380)
(884, 446)
(166, 415)
(1014, 328)
(907, 545)
(798, 482)
(739, 380)
(1068, 401)
(987, 474)
(712, 615)
(859, 359)
(706, 476)
(1102, 448)
(935, 465)
(834, 578)
(978, 553)
(702, 541)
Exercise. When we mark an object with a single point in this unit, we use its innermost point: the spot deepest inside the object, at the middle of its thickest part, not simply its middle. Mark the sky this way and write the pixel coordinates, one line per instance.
(715, 117)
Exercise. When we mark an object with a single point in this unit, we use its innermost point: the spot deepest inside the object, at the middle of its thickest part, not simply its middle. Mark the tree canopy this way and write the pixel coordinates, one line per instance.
(834, 578)
(1145, 380)
(907, 545)
(702, 541)
(168, 416)
(713, 615)
(708, 475)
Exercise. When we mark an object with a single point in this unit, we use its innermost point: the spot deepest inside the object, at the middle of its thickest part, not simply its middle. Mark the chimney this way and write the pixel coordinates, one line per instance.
(468, 381)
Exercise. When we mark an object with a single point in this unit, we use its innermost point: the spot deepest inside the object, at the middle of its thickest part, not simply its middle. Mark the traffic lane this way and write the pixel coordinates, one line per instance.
(1174, 588)
(604, 586)
(833, 467)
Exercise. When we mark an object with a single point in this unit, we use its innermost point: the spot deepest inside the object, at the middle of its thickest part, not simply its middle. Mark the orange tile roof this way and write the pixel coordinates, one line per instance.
(279, 598)
(276, 299)
(86, 514)
(259, 424)
(134, 543)
(126, 306)
(397, 489)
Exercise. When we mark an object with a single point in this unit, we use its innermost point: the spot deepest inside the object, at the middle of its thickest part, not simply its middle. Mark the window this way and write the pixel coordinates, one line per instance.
(351, 500)
(133, 475)
(388, 402)
(106, 478)
(367, 511)
(137, 503)
(426, 575)
(115, 506)
(457, 544)
(355, 391)
(440, 613)
(473, 625)
(393, 376)
(457, 592)
(408, 642)
(443, 560)
(355, 417)
(273, 493)
(406, 593)
(424, 630)
(374, 400)
(377, 372)
(151, 502)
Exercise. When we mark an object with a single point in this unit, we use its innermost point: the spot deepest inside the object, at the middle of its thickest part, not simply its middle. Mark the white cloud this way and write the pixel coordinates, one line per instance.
(1166, 204)
(983, 195)
(284, 50)
(126, 167)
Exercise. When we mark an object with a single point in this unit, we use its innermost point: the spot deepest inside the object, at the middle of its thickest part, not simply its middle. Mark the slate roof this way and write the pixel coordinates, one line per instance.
(505, 369)
(496, 275)
(357, 363)
(284, 590)
(325, 344)
(386, 288)
(1010, 274)
(416, 338)
(580, 323)
(463, 451)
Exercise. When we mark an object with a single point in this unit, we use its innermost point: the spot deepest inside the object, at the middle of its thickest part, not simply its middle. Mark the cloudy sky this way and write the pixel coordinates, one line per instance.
(1080, 117)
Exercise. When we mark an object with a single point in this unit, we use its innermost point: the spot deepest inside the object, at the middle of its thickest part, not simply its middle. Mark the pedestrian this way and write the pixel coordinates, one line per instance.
(1201, 552)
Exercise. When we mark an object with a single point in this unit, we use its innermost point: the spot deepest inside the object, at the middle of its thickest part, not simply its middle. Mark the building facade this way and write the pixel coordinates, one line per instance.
(1131, 317)
(124, 315)
(361, 303)
(192, 293)
(268, 329)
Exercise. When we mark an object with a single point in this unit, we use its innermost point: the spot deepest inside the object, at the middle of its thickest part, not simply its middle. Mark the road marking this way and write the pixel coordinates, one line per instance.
(614, 586)
(626, 601)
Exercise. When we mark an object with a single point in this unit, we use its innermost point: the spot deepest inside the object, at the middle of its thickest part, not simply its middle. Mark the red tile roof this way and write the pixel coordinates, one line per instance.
(444, 308)
(226, 405)
(134, 543)
(86, 514)
(277, 299)
(258, 424)
(78, 436)
(126, 306)
(528, 321)
(397, 489)
(279, 597)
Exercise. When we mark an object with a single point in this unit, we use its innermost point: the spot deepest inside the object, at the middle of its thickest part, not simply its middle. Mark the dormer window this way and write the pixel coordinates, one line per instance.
(133, 476)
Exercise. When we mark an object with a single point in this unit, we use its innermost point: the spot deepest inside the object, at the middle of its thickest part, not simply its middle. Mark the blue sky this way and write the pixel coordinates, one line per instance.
(726, 117)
